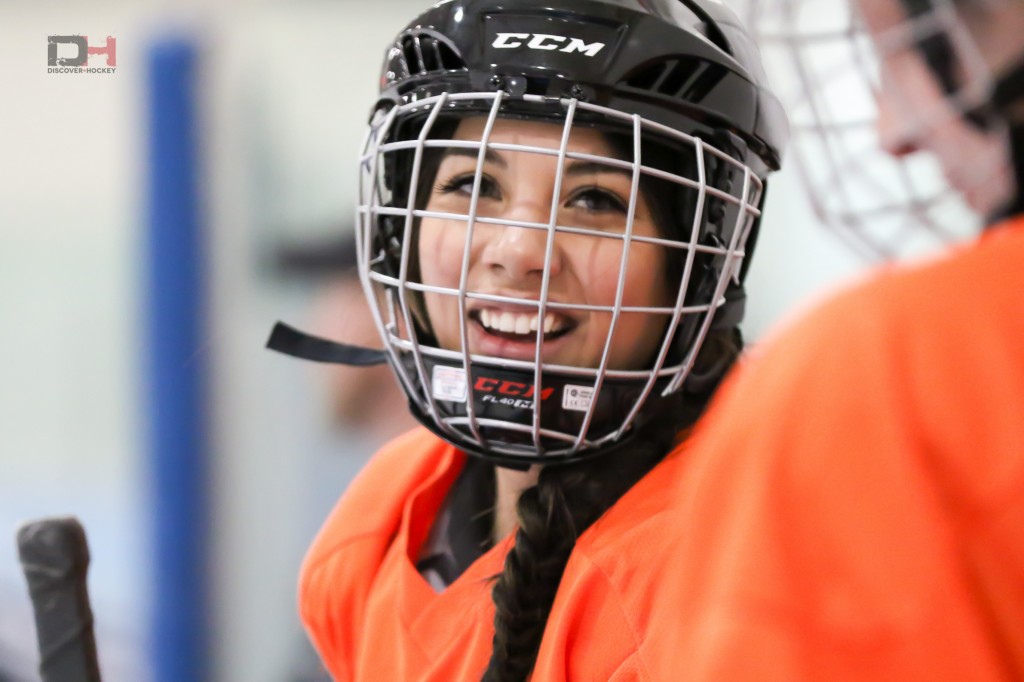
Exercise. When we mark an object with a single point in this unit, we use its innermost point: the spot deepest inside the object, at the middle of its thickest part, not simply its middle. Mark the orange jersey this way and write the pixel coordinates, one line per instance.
(852, 506)
(373, 617)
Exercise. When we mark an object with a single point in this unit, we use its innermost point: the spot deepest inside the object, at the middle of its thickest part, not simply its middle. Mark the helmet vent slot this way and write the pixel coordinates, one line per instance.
(424, 54)
(685, 78)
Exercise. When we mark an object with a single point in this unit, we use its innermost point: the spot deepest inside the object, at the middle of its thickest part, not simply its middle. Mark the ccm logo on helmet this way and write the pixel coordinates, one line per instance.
(545, 41)
(510, 388)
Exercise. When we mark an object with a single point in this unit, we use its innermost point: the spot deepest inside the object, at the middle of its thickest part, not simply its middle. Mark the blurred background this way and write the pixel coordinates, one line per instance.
(154, 223)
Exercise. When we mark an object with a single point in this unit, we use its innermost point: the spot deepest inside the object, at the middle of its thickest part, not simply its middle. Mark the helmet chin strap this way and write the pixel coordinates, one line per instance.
(291, 341)
(299, 344)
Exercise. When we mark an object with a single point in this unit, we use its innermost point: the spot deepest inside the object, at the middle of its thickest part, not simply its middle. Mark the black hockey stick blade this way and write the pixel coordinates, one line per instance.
(55, 558)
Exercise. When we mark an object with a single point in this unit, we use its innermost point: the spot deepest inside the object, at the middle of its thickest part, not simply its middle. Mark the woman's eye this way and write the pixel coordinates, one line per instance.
(597, 200)
(463, 184)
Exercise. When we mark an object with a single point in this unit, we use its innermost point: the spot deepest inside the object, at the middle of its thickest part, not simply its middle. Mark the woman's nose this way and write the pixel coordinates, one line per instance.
(520, 252)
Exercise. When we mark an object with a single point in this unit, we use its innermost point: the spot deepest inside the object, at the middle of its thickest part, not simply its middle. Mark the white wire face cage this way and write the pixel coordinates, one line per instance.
(539, 409)
(825, 68)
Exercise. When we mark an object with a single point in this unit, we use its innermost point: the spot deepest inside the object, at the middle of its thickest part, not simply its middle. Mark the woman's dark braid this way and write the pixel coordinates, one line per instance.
(565, 502)
(552, 514)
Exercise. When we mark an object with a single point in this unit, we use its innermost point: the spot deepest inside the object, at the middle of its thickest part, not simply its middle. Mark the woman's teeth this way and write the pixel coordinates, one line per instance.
(518, 323)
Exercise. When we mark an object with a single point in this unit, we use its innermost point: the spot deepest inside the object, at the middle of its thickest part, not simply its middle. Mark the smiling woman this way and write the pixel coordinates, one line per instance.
(553, 245)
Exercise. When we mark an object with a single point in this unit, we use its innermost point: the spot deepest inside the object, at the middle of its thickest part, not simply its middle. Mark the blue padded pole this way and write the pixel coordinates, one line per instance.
(176, 364)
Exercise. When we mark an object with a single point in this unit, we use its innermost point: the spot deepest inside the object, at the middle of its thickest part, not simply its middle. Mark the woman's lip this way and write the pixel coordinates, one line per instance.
(483, 343)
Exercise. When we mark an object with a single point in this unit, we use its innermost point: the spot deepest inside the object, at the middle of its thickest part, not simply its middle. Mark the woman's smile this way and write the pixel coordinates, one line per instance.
(513, 333)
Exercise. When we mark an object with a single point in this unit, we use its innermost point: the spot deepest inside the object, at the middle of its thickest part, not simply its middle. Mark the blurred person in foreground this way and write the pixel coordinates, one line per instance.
(853, 504)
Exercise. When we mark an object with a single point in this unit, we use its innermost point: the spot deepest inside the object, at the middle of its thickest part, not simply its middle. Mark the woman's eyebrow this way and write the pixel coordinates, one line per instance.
(490, 155)
(574, 168)
(592, 167)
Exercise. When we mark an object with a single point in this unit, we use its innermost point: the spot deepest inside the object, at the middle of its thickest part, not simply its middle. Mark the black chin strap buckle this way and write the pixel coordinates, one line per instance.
(731, 312)
(291, 341)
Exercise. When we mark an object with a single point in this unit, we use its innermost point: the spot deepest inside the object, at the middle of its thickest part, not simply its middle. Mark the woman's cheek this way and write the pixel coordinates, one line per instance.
(440, 255)
(601, 274)
(646, 277)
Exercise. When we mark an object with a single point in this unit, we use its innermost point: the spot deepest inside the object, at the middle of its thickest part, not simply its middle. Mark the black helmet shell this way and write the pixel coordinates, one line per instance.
(687, 65)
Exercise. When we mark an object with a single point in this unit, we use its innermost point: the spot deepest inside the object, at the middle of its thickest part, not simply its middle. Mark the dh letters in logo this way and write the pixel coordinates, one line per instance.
(82, 51)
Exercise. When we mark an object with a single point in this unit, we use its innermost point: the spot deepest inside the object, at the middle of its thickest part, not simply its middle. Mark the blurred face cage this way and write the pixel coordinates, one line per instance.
(826, 68)
(549, 412)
